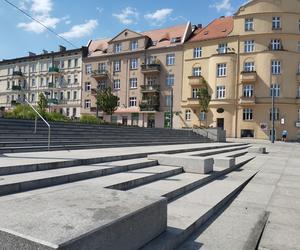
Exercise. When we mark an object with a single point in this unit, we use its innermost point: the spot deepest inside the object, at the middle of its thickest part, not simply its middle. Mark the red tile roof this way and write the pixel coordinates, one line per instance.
(219, 28)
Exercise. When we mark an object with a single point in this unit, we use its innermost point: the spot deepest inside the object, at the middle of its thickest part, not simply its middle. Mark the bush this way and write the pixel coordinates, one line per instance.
(21, 112)
(90, 119)
(56, 117)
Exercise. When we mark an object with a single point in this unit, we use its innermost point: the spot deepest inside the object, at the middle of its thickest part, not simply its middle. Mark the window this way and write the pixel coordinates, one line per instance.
(134, 45)
(298, 114)
(69, 80)
(170, 59)
(249, 46)
(299, 46)
(195, 93)
(298, 91)
(247, 114)
(32, 97)
(221, 69)
(68, 95)
(42, 81)
(75, 79)
(133, 83)
(276, 67)
(151, 80)
(87, 86)
(168, 100)
(276, 23)
(33, 82)
(61, 95)
(248, 91)
(276, 90)
(133, 63)
(76, 62)
(87, 104)
(102, 84)
(118, 48)
(117, 66)
(299, 25)
(151, 60)
(75, 95)
(276, 114)
(249, 67)
(8, 85)
(88, 69)
(74, 112)
(132, 101)
(170, 80)
(117, 84)
(222, 48)
(276, 44)
(188, 115)
(69, 63)
(197, 52)
(298, 72)
(249, 24)
(102, 67)
(197, 71)
(220, 92)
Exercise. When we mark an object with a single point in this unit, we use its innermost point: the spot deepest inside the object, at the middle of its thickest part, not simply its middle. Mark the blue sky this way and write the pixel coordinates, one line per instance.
(79, 21)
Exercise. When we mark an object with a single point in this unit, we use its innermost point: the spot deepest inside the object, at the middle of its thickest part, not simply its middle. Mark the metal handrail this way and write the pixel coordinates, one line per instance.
(49, 127)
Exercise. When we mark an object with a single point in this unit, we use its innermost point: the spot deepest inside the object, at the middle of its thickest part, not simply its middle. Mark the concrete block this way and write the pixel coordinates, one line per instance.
(224, 162)
(190, 164)
(257, 150)
(82, 217)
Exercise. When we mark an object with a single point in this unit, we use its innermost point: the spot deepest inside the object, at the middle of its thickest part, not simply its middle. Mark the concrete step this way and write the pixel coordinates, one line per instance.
(11, 184)
(173, 187)
(191, 211)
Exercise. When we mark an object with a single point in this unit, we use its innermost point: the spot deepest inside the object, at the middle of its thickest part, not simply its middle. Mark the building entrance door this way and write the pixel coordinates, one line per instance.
(220, 123)
(124, 120)
(151, 121)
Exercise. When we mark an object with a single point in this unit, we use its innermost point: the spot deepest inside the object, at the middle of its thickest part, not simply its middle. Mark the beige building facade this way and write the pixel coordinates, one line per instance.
(143, 69)
(56, 74)
(243, 59)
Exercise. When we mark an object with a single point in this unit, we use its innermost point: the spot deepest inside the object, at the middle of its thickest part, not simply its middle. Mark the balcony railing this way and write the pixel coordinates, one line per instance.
(196, 80)
(150, 88)
(53, 101)
(17, 73)
(51, 85)
(150, 68)
(248, 76)
(98, 74)
(16, 88)
(53, 70)
(150, 104)
(247, 100)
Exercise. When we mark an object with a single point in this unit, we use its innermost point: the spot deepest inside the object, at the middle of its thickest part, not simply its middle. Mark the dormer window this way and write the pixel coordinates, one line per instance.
(134, 45)
(176, 40)
(276, 23)
(118, 48)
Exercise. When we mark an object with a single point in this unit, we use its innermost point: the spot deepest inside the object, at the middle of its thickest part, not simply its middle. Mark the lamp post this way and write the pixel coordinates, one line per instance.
(171, 108)
(273, 115)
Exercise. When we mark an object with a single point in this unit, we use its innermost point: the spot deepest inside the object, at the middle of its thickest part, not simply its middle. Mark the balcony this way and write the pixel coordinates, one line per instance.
(53, 70)
(94, 91)
(99, 74)
(53, 101)
(248, 77)
(51, 85)
(151, 104)
(247, 100)
(14, 103)
(150, 68)
(16, 88)
(297, 124)
(196, 80)
(150, 88)
(18, 74)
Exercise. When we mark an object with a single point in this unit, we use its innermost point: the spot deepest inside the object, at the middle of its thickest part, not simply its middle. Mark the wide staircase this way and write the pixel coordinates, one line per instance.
(19, 136)
(124, 203)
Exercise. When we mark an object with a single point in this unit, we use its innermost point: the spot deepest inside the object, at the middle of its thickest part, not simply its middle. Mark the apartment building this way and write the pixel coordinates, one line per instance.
(143, 70)
(56, 74)
(245, 59)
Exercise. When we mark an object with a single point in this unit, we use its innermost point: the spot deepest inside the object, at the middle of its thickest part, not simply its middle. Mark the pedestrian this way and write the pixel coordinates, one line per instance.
(284, 135)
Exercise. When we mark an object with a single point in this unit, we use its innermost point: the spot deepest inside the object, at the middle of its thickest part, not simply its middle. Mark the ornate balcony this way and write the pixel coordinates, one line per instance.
(248, 77)
(54, 70)
(150, 88)
(53, 101)
(196, 80)
(16, 87)
(51, 85)
(150, 68)
(150, 104)
(99, 74)
(18, 74)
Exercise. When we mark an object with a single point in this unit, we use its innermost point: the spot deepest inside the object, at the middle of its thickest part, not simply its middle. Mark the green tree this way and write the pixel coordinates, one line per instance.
(42, 104)
(204, 99)
(107, 101)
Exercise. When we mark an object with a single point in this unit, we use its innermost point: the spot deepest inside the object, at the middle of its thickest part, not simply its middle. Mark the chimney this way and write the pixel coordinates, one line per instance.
(31, 54)
(62, 48)
(45, 51)
(199, 26)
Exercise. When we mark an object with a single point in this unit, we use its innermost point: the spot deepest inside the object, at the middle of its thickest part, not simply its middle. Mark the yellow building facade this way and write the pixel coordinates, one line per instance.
(244, 59)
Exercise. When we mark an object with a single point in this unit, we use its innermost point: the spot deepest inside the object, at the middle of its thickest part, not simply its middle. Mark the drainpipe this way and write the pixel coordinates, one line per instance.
(237, 88)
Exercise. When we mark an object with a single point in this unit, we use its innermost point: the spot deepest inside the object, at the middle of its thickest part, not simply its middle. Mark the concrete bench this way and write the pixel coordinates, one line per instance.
(257, 150)
(190, 164)
(224, 162)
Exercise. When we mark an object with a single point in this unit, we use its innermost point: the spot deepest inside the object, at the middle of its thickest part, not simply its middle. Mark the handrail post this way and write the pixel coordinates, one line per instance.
(35, 124)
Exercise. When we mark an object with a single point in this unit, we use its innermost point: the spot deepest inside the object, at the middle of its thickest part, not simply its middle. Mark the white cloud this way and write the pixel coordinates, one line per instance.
(159, 16)
(99, 10)
(80, 30)
(127, 16)
(223, 6)
(40, 10)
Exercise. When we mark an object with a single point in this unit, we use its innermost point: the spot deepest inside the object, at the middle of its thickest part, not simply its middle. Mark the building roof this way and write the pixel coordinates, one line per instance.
(219, 28)
(98, 47)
